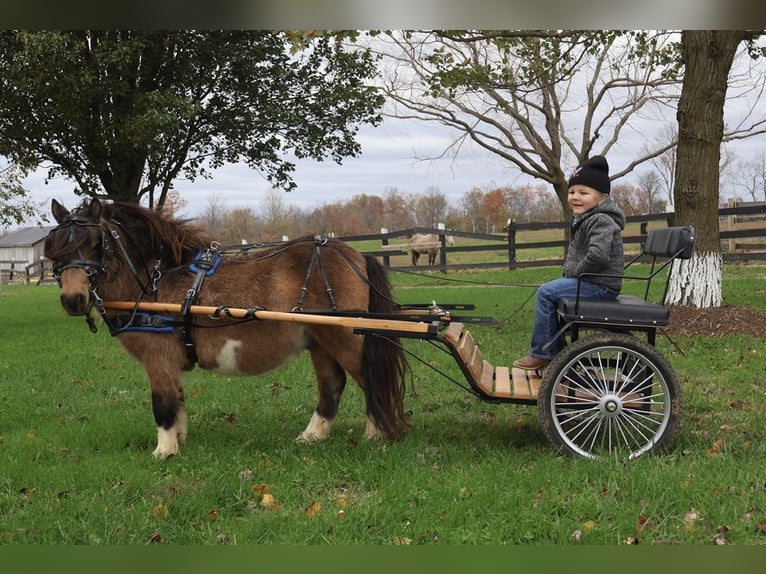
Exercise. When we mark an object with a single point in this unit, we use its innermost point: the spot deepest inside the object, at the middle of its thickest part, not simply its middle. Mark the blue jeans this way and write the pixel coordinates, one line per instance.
(546, 322)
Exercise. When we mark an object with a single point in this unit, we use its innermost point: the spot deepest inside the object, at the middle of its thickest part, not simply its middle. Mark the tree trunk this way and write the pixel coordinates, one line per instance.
(708, 58)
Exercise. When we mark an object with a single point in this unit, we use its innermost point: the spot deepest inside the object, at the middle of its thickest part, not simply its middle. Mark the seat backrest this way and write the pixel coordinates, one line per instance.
(675, 242)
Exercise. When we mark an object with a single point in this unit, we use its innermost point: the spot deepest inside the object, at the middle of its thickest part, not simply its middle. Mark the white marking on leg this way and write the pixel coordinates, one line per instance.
(167, 443)
(227, 358)
(372, 431)
(317, 429)
(167, 440)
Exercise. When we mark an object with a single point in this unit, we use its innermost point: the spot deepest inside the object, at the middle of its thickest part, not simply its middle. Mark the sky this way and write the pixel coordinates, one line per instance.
(390, 158)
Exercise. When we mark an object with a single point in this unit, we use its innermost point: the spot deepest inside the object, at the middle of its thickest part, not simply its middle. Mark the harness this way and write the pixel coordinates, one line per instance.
(205, 265)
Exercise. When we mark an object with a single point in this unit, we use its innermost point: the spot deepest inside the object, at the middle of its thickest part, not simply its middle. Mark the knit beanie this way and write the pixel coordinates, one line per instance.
(593, 172)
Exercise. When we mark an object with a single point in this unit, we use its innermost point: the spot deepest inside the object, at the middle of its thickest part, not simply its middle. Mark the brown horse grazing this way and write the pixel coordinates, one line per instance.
(105, 252)
(421, 243)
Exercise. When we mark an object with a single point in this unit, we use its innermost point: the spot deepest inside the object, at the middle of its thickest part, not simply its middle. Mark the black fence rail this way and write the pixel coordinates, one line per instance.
(394, 243)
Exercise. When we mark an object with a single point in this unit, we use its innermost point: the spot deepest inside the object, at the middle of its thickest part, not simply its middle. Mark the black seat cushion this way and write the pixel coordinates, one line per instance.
(625, 310)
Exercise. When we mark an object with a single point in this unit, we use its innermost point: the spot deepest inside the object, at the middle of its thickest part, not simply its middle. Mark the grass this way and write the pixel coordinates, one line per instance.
(76, 435)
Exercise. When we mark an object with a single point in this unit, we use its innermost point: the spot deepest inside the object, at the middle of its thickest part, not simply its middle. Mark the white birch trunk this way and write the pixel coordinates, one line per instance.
(697, 282)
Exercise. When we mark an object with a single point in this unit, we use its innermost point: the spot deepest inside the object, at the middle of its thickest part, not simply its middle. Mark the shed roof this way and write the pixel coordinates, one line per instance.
(25, 236)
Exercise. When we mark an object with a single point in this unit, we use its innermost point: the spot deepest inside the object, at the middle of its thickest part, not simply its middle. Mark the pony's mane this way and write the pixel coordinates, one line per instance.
(176, 237)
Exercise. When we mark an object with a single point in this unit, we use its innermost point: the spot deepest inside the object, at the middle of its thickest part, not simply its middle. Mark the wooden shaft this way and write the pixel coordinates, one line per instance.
(294, 317)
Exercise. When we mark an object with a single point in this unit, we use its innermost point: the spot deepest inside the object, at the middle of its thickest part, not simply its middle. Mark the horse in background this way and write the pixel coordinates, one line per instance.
(422, 243)
(122, 252)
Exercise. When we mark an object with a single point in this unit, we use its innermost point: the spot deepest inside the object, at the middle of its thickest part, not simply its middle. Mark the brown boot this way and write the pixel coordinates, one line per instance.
(531, 363)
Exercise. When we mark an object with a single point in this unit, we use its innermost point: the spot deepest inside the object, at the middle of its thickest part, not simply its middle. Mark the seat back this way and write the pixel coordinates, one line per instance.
(664, 245)
(670, 242)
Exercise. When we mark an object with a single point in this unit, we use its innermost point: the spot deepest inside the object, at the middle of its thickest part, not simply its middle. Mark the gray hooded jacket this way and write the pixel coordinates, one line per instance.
(596, 245)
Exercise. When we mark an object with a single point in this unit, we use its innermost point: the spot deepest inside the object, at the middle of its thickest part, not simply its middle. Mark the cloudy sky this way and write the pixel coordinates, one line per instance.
(392, 156)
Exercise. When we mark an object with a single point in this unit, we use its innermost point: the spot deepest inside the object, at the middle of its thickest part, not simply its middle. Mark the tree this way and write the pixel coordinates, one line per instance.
(751, 177)
(396, 212)
(542, 100)
(430, 208)
(708, 56)
(124, 113)
(15, 207)
(214, 214)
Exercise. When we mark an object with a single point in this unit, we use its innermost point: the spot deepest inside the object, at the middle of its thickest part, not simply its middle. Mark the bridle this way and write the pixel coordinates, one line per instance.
(95, 269)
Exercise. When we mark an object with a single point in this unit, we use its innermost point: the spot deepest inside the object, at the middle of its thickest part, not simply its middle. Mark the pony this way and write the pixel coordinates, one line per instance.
(115, 251)
(426, 241)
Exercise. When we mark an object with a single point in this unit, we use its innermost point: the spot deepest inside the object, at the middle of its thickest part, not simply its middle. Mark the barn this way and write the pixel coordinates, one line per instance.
(21, 253)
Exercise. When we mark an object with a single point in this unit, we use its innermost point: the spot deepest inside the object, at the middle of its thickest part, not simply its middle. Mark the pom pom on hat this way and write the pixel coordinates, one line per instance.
(593, 172)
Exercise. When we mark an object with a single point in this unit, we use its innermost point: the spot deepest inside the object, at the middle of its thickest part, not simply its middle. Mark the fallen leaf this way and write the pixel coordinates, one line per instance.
(314, 509)
(727, 427)
(762, 528)
(261, 489)
(690, 519)
(720, 539)
(155, 538)
(717, 447)
(341, 501)
(402, 541)
(269, 502)
(341, 514)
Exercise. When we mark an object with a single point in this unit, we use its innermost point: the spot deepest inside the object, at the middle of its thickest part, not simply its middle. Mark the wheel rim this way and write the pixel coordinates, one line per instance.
(610, 400)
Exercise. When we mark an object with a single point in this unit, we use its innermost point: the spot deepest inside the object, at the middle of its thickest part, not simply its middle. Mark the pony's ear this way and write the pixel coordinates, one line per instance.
(59, 211)
(95, 209)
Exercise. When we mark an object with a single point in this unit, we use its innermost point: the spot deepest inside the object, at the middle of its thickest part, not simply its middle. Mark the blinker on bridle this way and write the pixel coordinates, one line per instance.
(76, 259)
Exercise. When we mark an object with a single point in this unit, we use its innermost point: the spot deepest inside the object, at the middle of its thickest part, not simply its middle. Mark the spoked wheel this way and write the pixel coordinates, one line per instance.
(610, 394)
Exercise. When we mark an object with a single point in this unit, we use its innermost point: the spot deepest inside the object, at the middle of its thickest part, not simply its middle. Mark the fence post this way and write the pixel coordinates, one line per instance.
(511, 244)
(384, 241)
(442, 248)
(732, 226)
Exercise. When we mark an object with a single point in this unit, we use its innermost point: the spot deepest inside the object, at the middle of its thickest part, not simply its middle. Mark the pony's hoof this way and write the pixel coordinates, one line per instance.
(307, 438)
(162, 455)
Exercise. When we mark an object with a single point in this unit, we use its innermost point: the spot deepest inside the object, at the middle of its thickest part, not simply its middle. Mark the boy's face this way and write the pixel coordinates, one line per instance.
(583, 198)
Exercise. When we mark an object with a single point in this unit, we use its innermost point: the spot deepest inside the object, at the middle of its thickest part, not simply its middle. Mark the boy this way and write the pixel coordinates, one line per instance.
(595, 247)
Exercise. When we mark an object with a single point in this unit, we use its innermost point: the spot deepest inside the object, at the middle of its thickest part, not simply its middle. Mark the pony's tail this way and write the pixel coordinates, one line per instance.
(385, 362)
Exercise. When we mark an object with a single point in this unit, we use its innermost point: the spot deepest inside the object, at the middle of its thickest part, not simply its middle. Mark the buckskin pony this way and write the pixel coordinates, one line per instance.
(113, 251)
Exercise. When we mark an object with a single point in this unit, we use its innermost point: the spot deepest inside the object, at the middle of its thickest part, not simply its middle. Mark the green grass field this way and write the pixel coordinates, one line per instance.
(76, 436)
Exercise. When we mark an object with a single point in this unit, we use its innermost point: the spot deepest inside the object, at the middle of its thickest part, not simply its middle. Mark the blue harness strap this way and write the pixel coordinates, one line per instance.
(207, 261)
(143, 322)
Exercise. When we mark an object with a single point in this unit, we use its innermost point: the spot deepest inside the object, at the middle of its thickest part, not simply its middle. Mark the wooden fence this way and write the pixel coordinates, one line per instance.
(743, 238)
(739, 242)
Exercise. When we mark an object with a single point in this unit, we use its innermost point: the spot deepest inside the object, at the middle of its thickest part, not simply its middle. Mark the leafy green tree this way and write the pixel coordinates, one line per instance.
(15, 207)
(125, 113)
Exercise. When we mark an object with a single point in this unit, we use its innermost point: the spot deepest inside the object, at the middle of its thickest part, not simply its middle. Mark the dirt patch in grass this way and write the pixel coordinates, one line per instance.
(717, 321)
